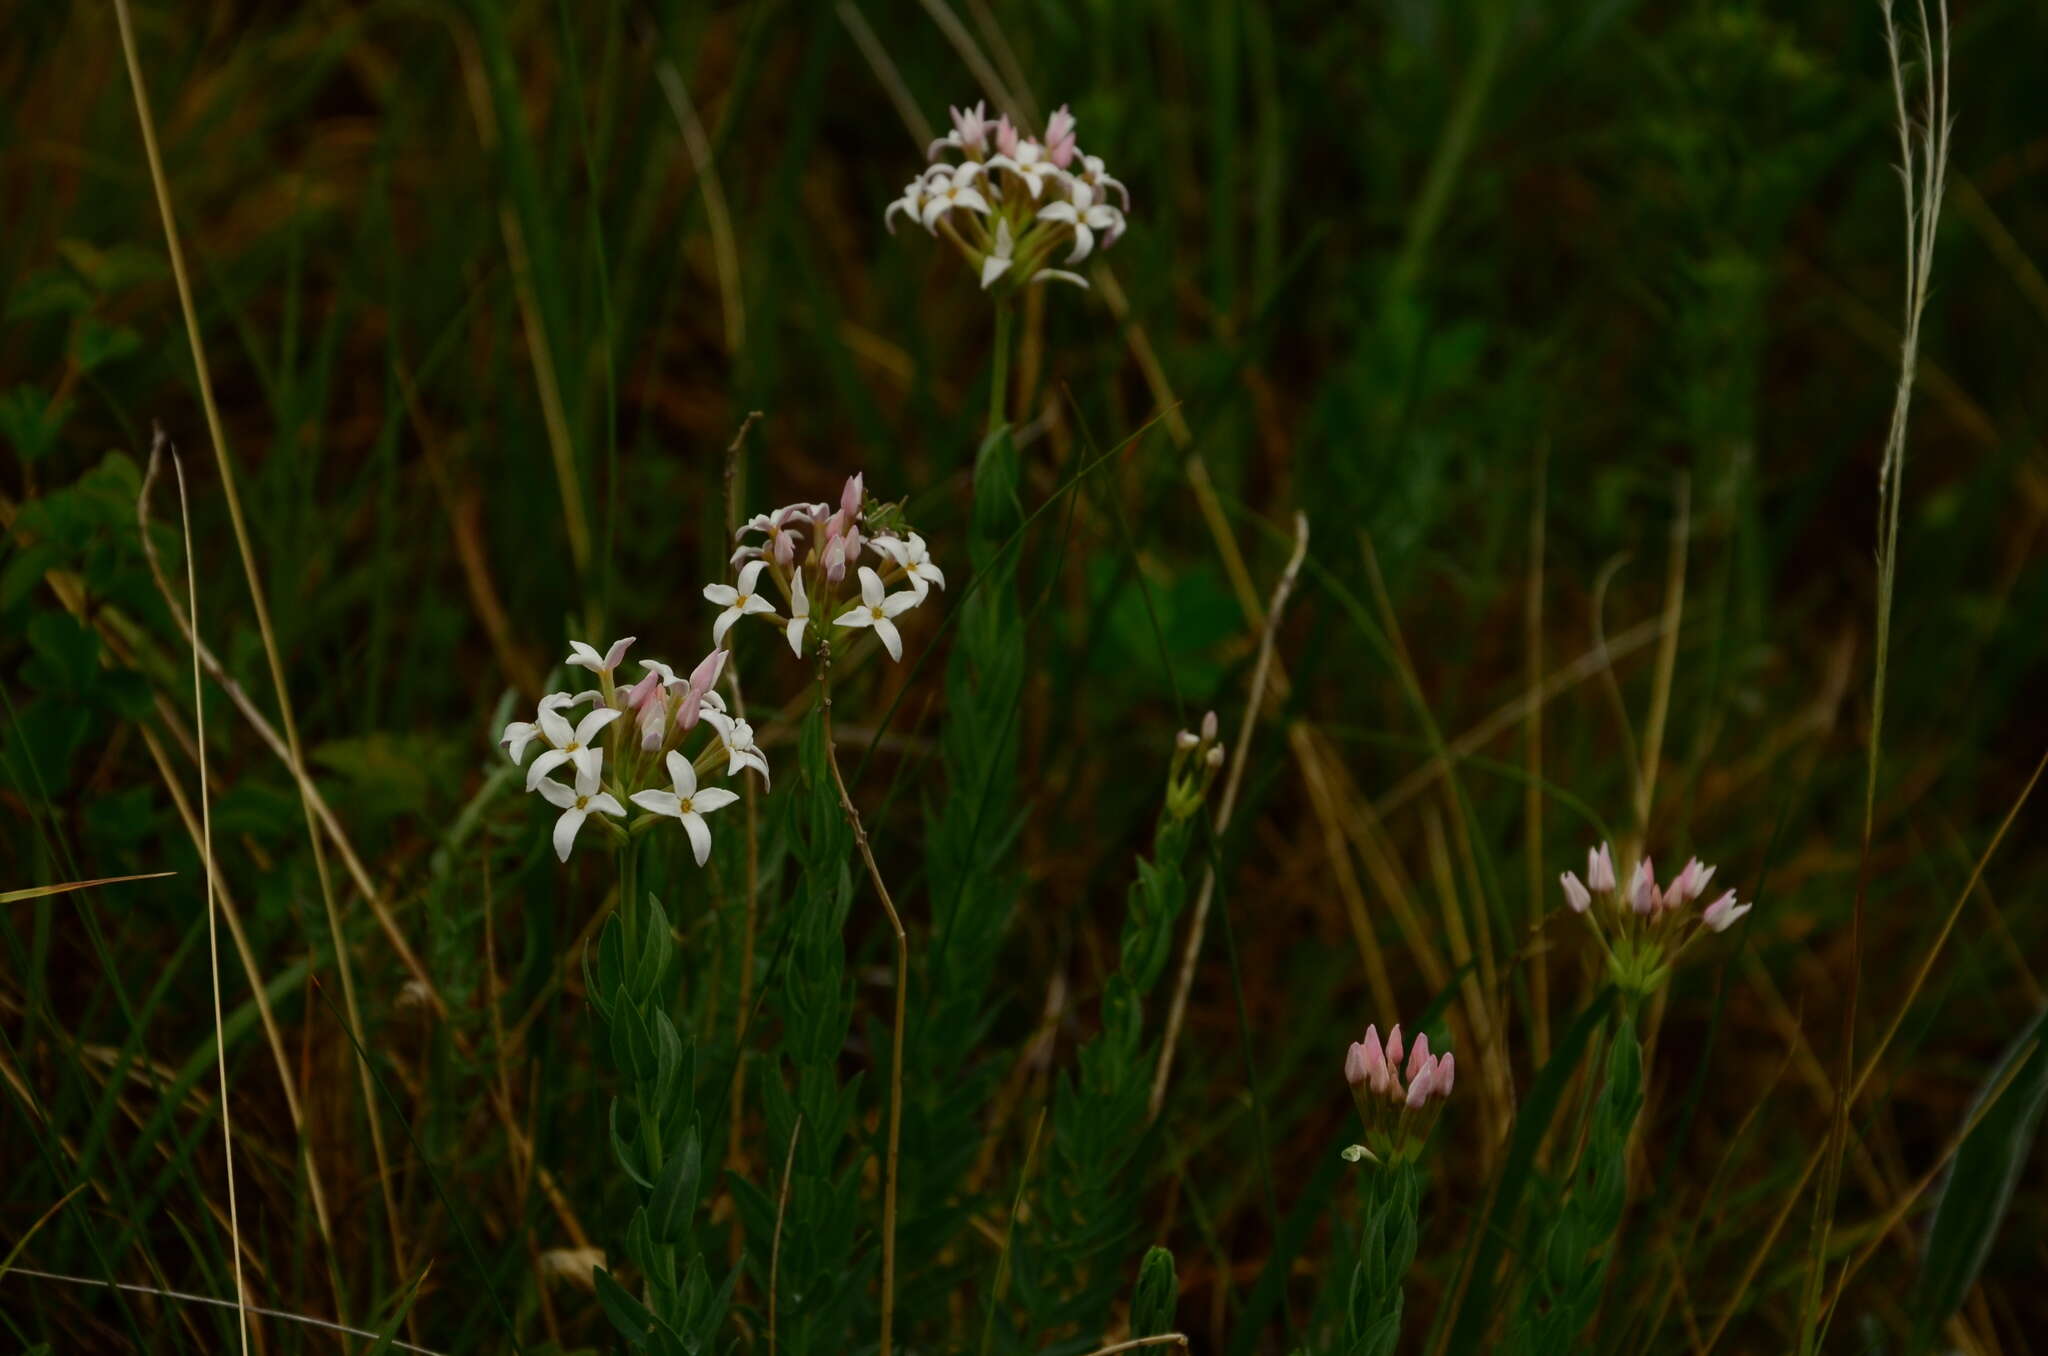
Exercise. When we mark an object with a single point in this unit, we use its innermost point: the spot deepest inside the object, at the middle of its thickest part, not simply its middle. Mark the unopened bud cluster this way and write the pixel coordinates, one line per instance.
(1642, 928)
(1013, 201)
(1398, 1102)
(1196, 760)
(805, 552)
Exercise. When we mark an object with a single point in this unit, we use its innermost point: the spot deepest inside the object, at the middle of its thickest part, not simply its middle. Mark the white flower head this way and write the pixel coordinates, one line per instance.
(1086, 217)
(569, 744)
(916, 561)
(586, 657)
(738, 739)
(520, 733)
(578, 803)
(687, 803)
(880, 611)
(737, 602)
(950, 188)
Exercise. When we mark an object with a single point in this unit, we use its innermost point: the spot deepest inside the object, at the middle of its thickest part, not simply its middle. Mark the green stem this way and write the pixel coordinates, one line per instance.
(999, 372)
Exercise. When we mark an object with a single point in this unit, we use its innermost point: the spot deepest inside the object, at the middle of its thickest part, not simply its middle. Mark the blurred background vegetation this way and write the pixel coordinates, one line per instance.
(1498, 294)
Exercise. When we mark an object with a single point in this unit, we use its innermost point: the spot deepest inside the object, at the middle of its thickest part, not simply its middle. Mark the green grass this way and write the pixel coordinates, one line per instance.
(1436, 276)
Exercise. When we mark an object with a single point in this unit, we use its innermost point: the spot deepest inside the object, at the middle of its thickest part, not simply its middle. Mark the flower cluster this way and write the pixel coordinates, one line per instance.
(1650, 927)
(806, 552)
(1012, 201)
(629, 747)
(664, 710)
(1196, 759)
(1398, 1104)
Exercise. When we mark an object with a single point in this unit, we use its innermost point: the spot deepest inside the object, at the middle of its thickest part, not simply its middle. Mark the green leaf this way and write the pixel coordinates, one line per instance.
(627, 1314)
(389, 1332)
(675, 1196)
(1157, 1295)
(1980, 1182)
(97, 343)
(30, 421)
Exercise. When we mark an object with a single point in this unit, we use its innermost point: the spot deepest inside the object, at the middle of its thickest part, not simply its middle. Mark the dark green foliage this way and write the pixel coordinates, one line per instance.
(656, 1138)
(1387, 1230)
(1156, 1296)
(1569, 1265)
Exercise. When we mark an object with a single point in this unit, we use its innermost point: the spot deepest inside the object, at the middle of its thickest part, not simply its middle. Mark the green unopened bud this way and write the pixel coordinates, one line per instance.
(1157, 1295)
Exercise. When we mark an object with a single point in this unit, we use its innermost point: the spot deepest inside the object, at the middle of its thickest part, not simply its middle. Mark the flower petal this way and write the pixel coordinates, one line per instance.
(700, 835)
(892, 639)
(565, 830)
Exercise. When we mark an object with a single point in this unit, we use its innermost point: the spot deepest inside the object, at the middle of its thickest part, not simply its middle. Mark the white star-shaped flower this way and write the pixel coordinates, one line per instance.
(946, 190)
(911, 204)
(519, 733)
(915, 560)
(738, 738)
(737, 602)
(879, 611)
(1087, 217)
(687, 803)
(586, 657)
(579, 802)
(567, 744)
(1030, 164)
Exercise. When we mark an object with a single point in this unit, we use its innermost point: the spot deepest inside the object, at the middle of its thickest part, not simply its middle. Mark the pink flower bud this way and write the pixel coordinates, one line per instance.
(1446, 1074)
(1575, 893)
(835, 559)
(1394, 1045)
(702, 679)
(1419, 1055)
(1006, 137)
(1208, 727)
(1186, 740)
(1059, 138)
(1373, 1059)
(1599, 870)
(1419, 1085)
(1214, 758)
(1642, 890)
(853, 496)
(1723, 912)
(785, 547)
(1354, 1064)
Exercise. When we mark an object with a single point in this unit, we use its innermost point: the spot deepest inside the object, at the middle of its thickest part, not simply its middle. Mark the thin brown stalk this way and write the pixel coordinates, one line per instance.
(220, 1045)
(884, 67)
(1667, 656)
(1165, 1339)
(775, 1245)
(1537, 961)
(225, 460)
(1233, 780)
(902, 939)
(724, 253)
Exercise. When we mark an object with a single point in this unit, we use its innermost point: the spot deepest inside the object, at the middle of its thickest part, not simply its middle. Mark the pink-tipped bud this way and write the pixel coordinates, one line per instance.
(1446, 1075)
(785, 547)
(1186, 740)
(1006, 136)
(1599, 870)
(1642, 889)
(1723, 912)
(1575, 893)
(1209, 727)
(853, 495)
(1418, 1057)
(1420, 1084)
(835, 559)
(702, 679)
(1689, 884)
(653, 723)
(1373, 1059)
(1394, 1046)
(1214, 757)
(1354, 1064)
(1059, 138)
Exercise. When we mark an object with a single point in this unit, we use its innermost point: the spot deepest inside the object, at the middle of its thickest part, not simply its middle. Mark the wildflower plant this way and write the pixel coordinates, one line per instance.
(1015, 204)
(1399, 1090)
(1644, 930)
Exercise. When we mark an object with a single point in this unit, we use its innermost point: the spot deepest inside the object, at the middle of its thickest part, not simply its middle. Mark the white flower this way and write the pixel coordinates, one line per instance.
(879, 611)
(520, 733)
(948, 188)
(738, 738)
(915, 560)
(567, 744)
(1029, 164)
(799, 614)
(687, 803)
(911, 204)
(578, 803)
(737, 602)
(1092, 175)
(584, 657)
(1086, 216)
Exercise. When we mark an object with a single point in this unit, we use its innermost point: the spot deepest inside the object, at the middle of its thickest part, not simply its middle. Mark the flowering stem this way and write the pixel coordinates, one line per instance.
(999, 371)
(867, 856)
